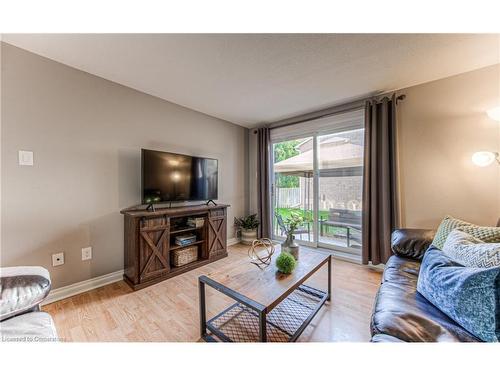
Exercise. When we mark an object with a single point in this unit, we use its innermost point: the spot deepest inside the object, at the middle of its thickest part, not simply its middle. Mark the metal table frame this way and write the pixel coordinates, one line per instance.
(258, 308)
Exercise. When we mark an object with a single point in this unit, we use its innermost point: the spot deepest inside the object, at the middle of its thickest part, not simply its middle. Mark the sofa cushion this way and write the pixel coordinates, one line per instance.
(468, 295)
(470, 251)
(401, 271)
(411, 243)
(380, 337)
(30, 327)
(22, 289)
(403, 313)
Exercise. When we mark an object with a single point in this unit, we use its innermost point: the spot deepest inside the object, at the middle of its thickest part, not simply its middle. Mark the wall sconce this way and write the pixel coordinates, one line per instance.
(485, 158)
(494, 113)
(176, 176)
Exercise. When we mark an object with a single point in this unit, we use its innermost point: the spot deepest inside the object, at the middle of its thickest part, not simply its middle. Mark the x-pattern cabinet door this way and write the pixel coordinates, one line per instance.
(217, 233)
(154, 247)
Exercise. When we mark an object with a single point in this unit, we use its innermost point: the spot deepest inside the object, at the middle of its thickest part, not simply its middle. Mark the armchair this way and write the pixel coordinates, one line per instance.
(22, 289)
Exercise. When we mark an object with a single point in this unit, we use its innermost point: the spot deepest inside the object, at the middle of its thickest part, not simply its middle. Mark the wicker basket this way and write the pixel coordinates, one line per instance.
(184, 256)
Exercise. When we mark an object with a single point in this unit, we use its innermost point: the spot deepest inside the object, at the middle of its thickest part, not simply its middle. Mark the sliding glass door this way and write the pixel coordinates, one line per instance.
(320, 178)
(340, 189)
(293, 186)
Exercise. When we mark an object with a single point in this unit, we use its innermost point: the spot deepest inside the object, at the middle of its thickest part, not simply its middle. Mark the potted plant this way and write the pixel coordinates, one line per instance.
(247, 226)
(285, 263)
(292, 222)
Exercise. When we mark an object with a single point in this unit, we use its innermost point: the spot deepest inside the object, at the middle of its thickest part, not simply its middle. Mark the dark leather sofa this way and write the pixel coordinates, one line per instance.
(401, 314)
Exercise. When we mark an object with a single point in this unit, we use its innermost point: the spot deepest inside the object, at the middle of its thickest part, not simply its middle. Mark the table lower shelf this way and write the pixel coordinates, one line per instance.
(285, 322)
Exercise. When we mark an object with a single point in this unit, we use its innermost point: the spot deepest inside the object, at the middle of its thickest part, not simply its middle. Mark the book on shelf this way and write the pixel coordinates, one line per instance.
(185, 239)
(196, 222)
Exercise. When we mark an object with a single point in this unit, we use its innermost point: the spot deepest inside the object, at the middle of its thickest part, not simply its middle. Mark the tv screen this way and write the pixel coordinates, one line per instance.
(168, 177)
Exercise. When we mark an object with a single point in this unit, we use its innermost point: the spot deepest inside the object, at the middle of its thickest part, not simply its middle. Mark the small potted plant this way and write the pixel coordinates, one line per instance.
(292, 222)
(247, 226)
(285, 263)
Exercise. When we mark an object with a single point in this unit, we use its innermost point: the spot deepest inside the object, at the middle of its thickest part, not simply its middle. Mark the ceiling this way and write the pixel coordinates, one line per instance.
(251, 79)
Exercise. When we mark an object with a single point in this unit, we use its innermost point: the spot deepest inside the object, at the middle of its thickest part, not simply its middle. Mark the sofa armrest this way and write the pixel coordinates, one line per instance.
(411, 243)
(22, 289)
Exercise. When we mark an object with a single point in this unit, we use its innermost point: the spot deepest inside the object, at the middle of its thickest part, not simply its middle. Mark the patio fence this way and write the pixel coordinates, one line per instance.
(288, 197)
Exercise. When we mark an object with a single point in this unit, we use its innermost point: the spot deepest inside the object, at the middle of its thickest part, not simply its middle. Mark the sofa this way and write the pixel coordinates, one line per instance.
(400, 313)
(22, 289)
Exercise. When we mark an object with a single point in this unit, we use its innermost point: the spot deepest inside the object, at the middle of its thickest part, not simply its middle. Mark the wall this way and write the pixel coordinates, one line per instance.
(442, 123)
(86, 134)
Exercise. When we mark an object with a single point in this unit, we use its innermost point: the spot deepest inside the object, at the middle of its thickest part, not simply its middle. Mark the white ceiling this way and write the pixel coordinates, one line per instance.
(250, 79)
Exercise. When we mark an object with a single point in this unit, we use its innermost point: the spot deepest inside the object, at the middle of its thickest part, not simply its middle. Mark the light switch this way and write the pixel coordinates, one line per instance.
(26, 158)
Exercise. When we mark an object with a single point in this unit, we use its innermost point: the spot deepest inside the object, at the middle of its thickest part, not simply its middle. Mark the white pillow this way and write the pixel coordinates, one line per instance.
(470, 251)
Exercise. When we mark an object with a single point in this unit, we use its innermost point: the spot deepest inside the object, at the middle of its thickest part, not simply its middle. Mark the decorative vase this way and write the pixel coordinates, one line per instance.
(290, 246)
(248, 235)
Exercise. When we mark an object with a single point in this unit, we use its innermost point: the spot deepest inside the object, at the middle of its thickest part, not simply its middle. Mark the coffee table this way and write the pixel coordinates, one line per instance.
(269, 306)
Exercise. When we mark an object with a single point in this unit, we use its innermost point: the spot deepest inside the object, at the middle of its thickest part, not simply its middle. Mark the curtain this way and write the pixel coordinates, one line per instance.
(380, 195)
(263, 184)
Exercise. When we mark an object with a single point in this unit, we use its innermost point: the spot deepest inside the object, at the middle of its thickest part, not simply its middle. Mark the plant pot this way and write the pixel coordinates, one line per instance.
(290, 246)
(248, 235)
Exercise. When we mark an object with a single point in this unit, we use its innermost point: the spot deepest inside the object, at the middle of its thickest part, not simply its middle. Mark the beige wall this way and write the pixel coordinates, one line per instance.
(442, 123)
(86, 134)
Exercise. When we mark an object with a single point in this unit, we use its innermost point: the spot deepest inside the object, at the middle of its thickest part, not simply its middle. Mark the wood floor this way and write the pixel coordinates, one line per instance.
(168, 311)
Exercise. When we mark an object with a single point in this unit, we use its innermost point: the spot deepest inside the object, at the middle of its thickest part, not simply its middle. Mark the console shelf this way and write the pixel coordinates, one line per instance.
(150, 237)
(175, 246)
(182, 230)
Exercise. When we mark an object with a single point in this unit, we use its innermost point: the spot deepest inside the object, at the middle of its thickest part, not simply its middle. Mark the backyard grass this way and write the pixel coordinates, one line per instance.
(308, 216)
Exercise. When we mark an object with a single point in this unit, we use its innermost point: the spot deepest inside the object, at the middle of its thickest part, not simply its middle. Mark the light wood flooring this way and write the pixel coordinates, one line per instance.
(168, 311)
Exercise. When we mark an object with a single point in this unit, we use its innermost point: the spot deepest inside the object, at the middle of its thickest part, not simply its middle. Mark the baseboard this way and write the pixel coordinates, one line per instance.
(82, 286)
(232, 241)
(96, 282)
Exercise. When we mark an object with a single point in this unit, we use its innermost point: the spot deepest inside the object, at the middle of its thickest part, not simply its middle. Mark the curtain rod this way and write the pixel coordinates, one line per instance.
(355, 106)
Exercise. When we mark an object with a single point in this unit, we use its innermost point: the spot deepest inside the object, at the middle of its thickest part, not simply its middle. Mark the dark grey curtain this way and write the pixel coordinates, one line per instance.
(263, 184)
(380, 194)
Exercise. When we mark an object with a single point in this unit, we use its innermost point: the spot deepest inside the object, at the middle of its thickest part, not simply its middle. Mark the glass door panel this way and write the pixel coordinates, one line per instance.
(340, 189)
(293, 191)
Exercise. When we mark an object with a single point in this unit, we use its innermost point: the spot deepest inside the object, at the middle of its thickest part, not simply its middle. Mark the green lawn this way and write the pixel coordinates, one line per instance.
(287, 212)
(308, 214)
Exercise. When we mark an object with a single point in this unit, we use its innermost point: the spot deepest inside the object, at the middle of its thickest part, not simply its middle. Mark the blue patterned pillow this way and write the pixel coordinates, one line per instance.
(470, 296)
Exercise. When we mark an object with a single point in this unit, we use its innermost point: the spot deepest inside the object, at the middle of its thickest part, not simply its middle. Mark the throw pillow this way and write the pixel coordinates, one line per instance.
(470, 296)
(447, 225)
(486, 234)
(470, 251)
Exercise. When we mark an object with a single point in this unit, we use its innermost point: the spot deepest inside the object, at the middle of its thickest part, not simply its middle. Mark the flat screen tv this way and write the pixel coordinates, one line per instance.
(169, 177)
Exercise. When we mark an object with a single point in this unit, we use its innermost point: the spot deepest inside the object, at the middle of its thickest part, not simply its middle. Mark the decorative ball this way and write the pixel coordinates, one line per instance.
(254, 252)
(285, 262)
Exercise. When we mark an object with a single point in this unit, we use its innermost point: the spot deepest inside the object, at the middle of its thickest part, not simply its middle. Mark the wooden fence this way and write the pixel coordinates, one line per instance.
(288, 197)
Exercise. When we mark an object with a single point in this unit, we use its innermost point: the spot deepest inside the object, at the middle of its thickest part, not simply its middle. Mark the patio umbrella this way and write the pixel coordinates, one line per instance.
(339, 157)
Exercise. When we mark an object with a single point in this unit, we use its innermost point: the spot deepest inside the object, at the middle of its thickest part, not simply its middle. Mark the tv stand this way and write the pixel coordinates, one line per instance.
(210, 200)
(149, 241)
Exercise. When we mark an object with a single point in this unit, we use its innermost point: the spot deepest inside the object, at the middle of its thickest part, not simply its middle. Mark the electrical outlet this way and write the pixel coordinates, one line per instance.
(57, 259)
(86, 253)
